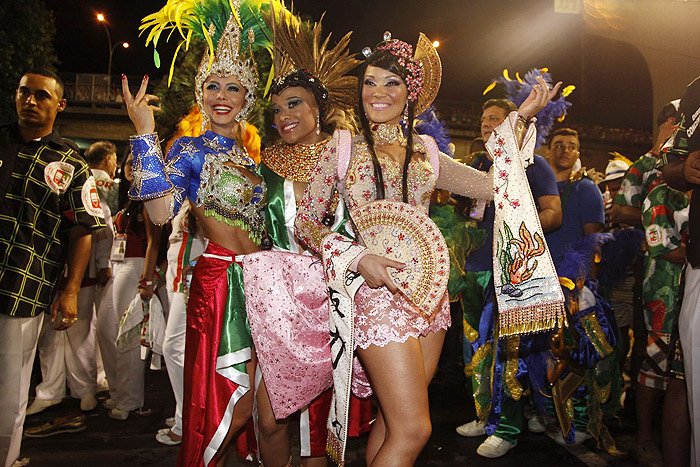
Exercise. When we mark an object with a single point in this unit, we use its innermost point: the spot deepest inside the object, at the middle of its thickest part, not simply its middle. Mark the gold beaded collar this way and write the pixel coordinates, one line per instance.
(387, 133)
(293, 161)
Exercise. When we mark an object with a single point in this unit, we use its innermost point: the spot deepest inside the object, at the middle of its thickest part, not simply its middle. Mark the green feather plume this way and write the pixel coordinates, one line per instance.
(200, 18)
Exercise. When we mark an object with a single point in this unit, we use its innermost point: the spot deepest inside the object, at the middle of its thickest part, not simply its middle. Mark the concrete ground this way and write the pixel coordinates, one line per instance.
(131, 443)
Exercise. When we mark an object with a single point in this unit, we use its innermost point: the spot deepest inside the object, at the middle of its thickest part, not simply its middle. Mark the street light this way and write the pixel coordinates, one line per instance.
(101, 18)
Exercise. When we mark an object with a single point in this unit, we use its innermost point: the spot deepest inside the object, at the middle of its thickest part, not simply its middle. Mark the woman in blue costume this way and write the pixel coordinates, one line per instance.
(226, 196)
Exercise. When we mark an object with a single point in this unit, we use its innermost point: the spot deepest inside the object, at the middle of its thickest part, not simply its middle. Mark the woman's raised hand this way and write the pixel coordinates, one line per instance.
(538, 98)
(139, 108)
(373, 270)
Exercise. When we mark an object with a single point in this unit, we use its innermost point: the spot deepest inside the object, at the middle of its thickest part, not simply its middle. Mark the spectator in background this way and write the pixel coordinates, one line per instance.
(682, 171)
(102, 159)
(134, 257)
(582, 214)
(621, 293)
(581, 202)
(479, 291)
(649, 361)
(185, 246)
(49, 207)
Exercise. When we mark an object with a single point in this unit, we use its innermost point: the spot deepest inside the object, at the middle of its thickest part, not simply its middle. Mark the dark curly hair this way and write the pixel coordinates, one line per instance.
(304, 79)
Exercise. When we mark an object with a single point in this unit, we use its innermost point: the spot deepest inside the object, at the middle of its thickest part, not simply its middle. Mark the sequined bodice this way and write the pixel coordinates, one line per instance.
(359, 183)
(204, 169)
(357, 186)
(229, 195)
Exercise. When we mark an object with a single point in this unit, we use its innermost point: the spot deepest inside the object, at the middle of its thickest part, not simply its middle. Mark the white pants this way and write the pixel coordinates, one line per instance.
(689, 327)
(18, 339)
(69, 356)
(174, 351)
(101, 376)
(125, 370)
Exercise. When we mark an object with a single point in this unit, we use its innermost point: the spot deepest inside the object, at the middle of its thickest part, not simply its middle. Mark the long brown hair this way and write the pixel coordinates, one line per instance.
(386, 60)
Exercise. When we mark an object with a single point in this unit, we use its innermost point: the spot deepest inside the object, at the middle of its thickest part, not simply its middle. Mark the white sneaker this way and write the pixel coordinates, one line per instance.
(494, 447)
(535, 425)
(88, 403)
(118, 414)
(163, 437)
(580, 437)
(472, 429)
(39, 405)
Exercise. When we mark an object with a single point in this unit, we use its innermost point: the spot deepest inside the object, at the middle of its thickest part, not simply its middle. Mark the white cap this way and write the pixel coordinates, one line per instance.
(615, 169)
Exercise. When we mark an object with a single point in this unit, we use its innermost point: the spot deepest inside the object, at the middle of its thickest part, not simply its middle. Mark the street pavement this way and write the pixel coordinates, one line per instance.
(131, 443)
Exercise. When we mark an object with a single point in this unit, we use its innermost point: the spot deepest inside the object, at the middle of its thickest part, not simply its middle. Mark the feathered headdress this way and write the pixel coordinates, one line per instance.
(235, 26)
(302, 58)
(423, 68)
(518, 89)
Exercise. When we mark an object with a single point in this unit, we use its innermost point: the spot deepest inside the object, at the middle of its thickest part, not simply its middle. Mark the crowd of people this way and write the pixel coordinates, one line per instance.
(311, 279)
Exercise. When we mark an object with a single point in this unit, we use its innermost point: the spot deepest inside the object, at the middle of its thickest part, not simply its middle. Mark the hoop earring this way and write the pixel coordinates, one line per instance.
(318, 124)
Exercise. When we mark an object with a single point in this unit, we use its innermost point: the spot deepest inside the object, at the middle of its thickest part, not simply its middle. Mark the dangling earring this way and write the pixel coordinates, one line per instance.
(318, 124)
(405, 113)
(242, 123)
(205, 121)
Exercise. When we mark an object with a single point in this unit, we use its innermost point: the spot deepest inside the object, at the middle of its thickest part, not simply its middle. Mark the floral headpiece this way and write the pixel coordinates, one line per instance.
(423, 69)
(404, 53)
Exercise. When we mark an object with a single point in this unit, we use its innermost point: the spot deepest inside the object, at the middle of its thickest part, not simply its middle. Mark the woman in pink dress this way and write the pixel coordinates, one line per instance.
(397, 345)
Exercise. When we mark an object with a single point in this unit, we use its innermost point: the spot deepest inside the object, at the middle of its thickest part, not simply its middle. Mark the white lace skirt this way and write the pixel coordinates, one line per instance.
(382, 317)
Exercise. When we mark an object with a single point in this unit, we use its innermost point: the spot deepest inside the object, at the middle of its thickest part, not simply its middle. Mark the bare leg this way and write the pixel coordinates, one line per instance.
(403, 422)
(675, 430)
(377, 437)
(646, 398)
(241, 414)
(273, 435)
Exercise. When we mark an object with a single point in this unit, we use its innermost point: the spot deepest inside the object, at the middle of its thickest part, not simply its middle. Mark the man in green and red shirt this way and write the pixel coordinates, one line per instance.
(643, 178)
(682, 172)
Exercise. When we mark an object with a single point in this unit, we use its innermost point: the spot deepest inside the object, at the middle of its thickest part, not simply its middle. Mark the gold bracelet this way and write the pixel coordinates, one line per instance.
(525, 121)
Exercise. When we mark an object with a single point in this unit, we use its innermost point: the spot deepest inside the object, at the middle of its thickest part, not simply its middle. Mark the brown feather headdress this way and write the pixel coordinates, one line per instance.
(302, 58)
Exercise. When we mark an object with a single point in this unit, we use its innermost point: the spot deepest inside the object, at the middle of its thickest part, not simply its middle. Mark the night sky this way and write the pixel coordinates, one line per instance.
(478, 39)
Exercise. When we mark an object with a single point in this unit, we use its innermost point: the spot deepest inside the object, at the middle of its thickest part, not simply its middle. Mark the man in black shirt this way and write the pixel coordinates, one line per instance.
(49, 207)
(682, 172)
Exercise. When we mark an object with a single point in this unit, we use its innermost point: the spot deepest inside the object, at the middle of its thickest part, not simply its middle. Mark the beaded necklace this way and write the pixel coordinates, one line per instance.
(293, 161)
(387, 133)
(391, 133)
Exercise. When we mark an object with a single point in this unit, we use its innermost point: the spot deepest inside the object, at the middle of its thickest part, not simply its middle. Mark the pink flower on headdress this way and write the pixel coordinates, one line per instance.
(414, 69)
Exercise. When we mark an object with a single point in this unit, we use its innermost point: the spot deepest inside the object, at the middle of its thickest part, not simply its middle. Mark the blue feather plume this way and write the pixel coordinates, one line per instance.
(428, 123)
(578, 257)
(518, 89)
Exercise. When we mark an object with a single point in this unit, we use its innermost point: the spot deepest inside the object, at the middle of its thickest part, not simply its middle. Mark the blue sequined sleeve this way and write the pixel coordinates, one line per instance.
(156, 178)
